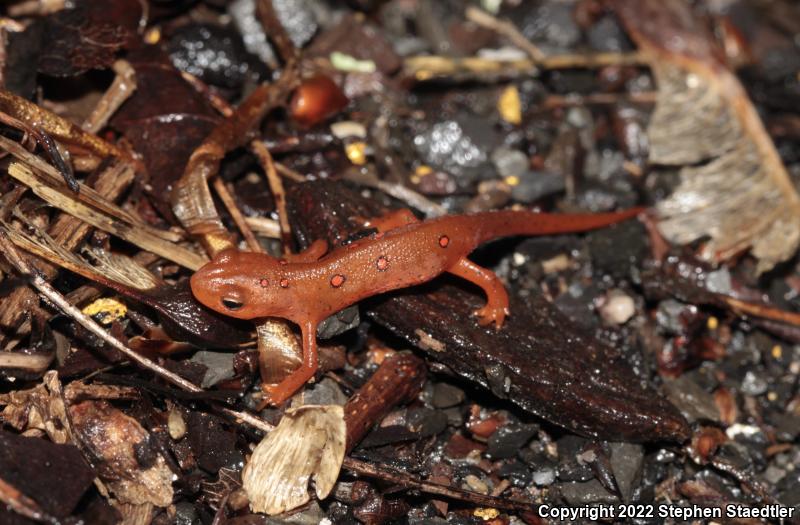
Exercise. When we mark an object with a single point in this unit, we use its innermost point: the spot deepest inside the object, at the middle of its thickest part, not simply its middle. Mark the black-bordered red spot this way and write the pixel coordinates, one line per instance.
(444, 241)
(284, 283)
(264, 283)
(382, 263)
(337, 280)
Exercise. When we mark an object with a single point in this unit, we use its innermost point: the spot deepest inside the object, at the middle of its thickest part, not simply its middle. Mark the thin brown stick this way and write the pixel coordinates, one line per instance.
(278, 192)
(507, 29)
(398, 380)
(408, 482)
(289, 173)
(275, 30)
(226, 196)
(761, 310)
(119, 91)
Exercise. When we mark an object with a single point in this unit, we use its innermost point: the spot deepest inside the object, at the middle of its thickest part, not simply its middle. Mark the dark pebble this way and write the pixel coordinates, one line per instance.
(507, 440)
(446, 395)
(426, 422)
(338, 323)
(618, 249)
(214, 54)
(516, 472)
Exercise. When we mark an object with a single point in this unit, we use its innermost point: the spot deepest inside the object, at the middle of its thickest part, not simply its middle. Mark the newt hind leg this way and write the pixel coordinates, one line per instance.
(496, 308)
(277, 394)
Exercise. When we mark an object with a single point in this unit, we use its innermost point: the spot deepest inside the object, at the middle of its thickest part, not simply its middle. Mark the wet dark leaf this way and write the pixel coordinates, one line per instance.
(165, 120)
(39, 468)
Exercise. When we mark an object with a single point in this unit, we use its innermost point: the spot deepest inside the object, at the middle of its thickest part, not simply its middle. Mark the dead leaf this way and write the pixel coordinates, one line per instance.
(734, 187)
(308, 443)
(40, 408)
(133, 469)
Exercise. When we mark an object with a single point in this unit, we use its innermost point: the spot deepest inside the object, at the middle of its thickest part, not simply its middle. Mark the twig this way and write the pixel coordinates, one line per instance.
(224, 193)
(507, 29)
(275, 30)
(558, 101)
(398, 380)
(278, 193)
(400, 192)
(289, 173)
(437, 67)
(119, 91)
(409, 482)
(216, 101)
(264, 226)
(763, 311)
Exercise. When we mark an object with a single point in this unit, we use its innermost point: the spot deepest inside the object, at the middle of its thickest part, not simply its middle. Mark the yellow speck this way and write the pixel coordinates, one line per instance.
(486, 514)
(109, 309)
(357, 153)
(772, 396)
(777, 351)
(513, 180)
(153, 36)
(509, 105)
(423, 170)
(712, 323)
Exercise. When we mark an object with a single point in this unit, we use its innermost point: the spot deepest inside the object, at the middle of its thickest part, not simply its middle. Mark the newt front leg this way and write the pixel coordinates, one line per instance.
(277, 394)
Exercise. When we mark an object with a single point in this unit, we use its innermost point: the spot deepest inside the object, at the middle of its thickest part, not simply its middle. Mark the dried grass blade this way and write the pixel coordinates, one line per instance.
(141, 238)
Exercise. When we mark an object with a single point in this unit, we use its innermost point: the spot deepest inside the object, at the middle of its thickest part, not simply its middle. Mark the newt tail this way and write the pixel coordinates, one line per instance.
(309, 286)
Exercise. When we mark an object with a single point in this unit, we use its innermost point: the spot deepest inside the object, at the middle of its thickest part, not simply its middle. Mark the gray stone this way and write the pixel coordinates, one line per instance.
(510, 162)
(446, 395)
(583, 493)
(507, 440)
(754, 384)
(219, 366)
(693, 402)
(626, 463)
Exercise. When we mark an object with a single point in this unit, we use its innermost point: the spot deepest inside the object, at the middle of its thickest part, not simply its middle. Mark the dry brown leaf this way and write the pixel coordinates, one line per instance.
(734, 187)
(118, 445)
(40, 408)
(309, 443)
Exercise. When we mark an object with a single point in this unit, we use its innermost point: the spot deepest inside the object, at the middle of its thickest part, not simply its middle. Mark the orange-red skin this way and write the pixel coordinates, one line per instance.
(313, 285)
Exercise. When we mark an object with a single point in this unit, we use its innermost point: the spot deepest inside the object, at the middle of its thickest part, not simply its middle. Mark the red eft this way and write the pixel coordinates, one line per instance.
(307, 287)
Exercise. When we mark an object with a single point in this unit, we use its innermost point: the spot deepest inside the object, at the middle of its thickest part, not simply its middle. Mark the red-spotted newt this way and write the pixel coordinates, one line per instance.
(307, 287)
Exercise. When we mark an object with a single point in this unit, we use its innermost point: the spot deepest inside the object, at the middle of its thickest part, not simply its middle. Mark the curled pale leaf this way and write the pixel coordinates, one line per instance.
(733, 187)
(309, 443)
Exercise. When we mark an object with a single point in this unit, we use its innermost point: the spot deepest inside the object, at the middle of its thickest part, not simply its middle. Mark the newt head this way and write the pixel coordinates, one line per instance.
(244, 285)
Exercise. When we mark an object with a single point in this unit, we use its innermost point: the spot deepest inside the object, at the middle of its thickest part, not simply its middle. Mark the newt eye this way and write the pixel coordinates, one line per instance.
(231, 304)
